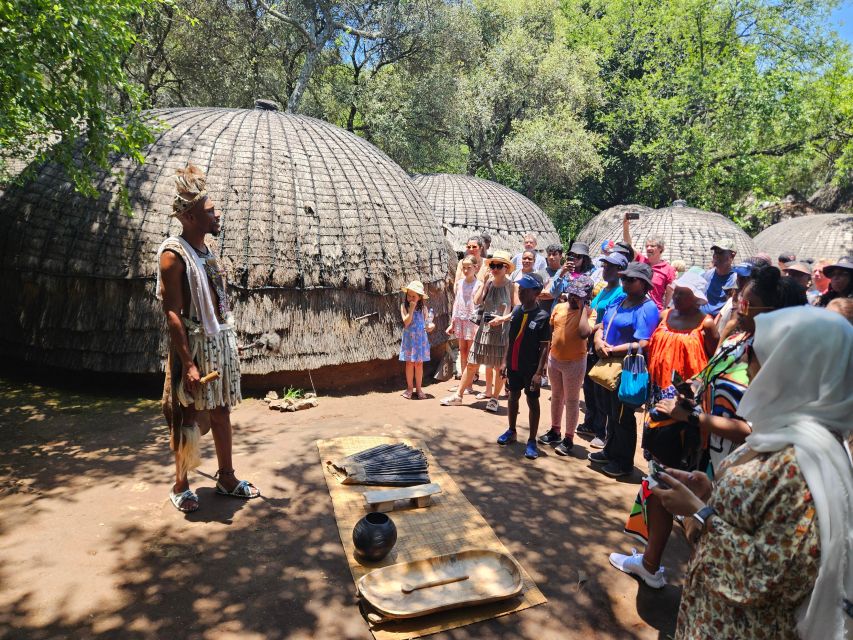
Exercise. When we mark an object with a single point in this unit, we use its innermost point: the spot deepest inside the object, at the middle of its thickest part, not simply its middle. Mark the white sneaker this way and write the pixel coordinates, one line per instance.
(596, 443)
(633, 565)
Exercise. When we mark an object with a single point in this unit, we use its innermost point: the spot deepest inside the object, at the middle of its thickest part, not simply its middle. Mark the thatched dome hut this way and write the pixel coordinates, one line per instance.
(468, 206)
(319, 231)
(824, 235)
(688, 233)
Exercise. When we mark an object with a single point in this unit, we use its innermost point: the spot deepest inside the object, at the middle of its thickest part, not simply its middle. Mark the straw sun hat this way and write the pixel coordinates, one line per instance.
(416, 286)
(504, 257)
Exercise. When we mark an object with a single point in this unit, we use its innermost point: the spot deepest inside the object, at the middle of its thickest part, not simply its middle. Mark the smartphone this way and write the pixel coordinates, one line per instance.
(654, 478)
(683, 386)
(633, 216)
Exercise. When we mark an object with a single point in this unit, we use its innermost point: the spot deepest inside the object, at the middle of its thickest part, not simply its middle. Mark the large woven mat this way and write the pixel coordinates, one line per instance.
(451, 524)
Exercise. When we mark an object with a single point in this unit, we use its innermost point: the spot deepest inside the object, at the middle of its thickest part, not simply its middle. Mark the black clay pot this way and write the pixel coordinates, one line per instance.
(374, 536)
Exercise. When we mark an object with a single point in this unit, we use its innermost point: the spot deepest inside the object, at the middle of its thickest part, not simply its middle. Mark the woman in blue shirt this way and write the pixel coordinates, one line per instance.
(626, 326)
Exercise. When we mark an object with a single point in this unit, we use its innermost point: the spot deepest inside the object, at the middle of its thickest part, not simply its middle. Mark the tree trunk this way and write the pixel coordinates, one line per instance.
(304, 77)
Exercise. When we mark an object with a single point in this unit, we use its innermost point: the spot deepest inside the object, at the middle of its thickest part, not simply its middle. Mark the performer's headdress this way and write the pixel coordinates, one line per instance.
(190, 186)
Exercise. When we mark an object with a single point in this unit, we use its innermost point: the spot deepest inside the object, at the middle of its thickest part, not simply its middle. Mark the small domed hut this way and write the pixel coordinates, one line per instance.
(467, 206)
(319, 231)
(823, 235)
(687, 232)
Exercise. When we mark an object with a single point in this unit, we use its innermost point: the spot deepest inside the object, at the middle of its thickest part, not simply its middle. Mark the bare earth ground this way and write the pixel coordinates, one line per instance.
(91, 546)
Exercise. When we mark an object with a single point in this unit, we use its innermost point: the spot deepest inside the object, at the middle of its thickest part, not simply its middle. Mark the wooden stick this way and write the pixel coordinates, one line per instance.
(213, 375)
(408, 588)
(366, 315)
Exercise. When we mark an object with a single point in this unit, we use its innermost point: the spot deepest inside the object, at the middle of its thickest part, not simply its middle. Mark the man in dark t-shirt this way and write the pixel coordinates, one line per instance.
(526, 355)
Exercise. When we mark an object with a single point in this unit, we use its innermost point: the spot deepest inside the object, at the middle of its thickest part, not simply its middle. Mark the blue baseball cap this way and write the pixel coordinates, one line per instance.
(530, 281)
(743, 269)
(616, 258)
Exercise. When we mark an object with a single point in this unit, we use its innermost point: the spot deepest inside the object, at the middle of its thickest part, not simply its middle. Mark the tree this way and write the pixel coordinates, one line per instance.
(65, 93)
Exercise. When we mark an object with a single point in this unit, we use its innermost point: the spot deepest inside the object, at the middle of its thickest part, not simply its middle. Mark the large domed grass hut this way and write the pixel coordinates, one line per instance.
(687, 232)
(467, 206)
(319, 232)
(823, 235)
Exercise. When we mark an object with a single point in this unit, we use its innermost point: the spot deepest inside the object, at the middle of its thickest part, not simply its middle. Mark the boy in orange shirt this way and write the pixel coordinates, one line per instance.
(570, 328)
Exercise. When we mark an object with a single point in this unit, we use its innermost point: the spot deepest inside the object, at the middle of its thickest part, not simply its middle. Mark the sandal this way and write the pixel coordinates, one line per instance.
(421, 395)
(492, 405)
(482, 396)
(451, 401)
(407, 395)
(178, 499)
(243, 490)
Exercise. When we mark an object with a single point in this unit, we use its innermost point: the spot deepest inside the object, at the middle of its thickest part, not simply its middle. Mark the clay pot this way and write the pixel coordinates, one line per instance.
(373, 536)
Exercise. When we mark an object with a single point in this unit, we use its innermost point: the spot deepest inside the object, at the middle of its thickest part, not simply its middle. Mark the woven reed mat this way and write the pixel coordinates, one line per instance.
(449, 525)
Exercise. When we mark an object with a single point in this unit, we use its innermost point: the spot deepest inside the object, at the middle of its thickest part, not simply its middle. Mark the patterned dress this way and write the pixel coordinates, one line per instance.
(759, 559)
(463, 309)
(415, 345)
(490, 343)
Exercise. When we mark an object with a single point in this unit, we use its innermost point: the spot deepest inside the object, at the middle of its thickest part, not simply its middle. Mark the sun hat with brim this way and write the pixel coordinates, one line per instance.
(616, 258)
(798, 267)
(416, 286)
(579, 249)
(530, 281)
(503, 257)
(581, 287)
(845, 263)
(725, 244)
(625, 249)
(695, 283)
(638, 270)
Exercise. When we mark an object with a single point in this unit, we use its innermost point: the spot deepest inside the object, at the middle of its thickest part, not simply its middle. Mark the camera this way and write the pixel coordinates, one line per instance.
(633, 215)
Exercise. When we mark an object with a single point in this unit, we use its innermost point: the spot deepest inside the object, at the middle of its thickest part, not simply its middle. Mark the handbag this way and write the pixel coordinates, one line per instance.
(634, 383)
(607, 371)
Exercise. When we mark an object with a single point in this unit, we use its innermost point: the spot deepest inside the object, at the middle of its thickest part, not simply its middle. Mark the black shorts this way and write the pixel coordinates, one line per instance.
(520, 381)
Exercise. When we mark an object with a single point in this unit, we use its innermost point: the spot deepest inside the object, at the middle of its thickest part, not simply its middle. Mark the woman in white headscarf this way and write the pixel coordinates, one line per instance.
(775, 556)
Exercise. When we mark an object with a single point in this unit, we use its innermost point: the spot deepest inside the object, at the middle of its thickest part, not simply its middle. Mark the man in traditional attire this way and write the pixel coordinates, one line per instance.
(203, 370)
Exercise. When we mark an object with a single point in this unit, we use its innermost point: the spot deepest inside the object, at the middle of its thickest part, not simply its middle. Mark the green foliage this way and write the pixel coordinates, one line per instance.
(292, 393)
(65, 93)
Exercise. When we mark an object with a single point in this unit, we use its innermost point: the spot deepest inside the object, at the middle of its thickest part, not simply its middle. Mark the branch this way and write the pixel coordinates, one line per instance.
(776, 151)
(286, 18)
(367, 35)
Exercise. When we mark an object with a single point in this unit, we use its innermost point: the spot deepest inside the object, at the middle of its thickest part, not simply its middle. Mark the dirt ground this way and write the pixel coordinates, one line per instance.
(91, 546)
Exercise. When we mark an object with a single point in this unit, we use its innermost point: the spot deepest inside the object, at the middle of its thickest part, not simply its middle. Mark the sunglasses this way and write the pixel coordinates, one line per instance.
(743, 307)
(574, 256)
(628, 279)
(496, 265)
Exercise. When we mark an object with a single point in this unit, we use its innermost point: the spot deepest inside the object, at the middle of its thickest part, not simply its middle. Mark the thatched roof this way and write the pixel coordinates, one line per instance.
(688, 233)
(825, 235)
(468, 206)
(319, 227)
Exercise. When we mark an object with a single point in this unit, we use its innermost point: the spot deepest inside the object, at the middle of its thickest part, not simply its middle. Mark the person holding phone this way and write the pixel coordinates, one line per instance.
(774, 554)
(663, 273)
(678, 350)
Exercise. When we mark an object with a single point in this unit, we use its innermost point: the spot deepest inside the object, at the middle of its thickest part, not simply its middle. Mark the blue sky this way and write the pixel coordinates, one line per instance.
(842, 19)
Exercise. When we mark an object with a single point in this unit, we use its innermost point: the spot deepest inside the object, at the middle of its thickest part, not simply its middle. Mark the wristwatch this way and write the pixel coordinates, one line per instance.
(703, 514)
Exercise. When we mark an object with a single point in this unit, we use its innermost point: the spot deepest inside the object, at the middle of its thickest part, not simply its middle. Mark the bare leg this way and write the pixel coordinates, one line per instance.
(490, 373)
(419, 377)
(660, 526)
(182, 483)
(533, 406)
(512, 408)
(467, 378)
(464, 349)
(410, 373)
(498, 384)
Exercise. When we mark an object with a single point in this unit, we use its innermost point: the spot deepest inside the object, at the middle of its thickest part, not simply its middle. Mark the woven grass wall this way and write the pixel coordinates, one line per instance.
(318, 227)
(824, 235)
(468, 206)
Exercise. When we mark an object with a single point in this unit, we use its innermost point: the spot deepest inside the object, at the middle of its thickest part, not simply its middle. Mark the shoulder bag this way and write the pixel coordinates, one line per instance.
(634, 383)
(607, 371)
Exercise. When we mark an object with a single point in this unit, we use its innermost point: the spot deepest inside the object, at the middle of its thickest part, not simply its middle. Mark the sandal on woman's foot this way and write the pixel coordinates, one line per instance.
(482, 396)
(492, 405)
(179, 499)
(407, 395)
(451, 401)
(421, 395)
(244, 489)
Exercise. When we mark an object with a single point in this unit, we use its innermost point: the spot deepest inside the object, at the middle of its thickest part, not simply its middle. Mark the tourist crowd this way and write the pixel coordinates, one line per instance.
(742, 371)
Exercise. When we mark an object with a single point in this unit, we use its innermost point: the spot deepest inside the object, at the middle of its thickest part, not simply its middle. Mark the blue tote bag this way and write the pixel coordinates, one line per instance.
(634, 385)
